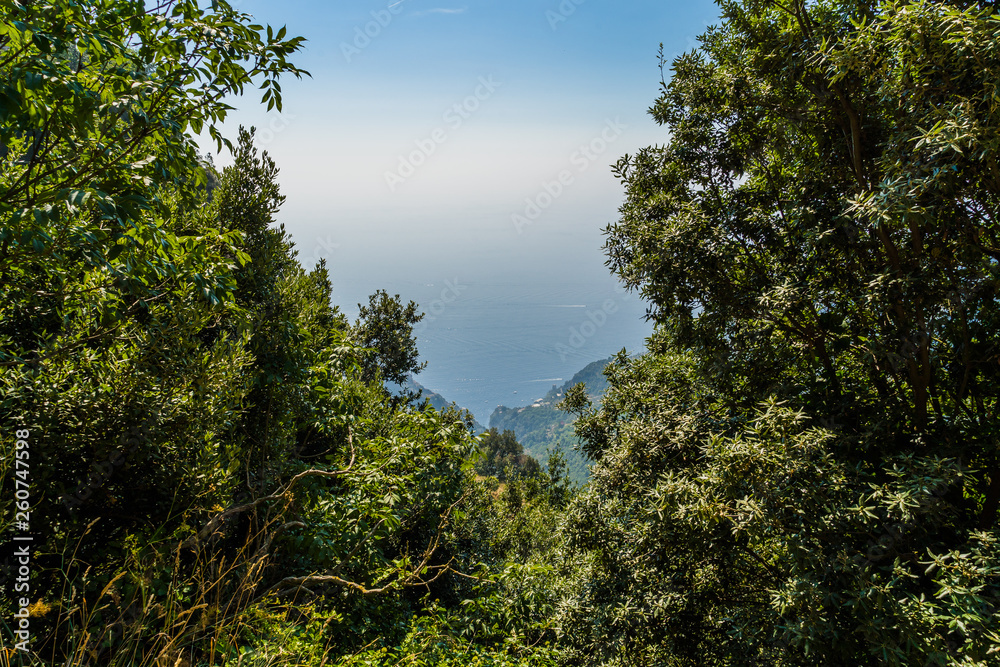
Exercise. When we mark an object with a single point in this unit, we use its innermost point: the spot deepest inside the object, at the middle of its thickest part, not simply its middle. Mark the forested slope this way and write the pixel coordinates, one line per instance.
(200, 465)
(203, 462)
(543, 427)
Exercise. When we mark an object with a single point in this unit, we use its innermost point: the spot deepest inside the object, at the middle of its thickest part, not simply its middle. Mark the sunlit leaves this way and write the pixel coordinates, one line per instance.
(819, 228)
(114, 101)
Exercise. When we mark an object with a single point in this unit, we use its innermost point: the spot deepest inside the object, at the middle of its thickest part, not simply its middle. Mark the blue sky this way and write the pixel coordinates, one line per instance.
(535, 82)
(450, 143)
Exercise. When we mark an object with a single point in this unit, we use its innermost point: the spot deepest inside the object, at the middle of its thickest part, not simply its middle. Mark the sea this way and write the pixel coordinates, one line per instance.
(508, 312)
(491, 343)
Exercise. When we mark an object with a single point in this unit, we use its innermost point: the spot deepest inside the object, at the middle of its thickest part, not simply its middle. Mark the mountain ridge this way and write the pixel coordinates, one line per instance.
(541, 426)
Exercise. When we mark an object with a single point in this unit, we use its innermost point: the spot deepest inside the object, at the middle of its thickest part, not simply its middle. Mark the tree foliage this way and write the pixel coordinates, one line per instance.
(206, 446)
(385, 326)
(794, 472)
(802, 469)
(502, 456)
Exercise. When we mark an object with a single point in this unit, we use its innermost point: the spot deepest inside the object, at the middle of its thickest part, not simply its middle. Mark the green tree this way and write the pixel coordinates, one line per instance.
(245, 203)
(100, 104)
(385, 326)
(217, 471)
(803, 469)
(502, 456)
(110, 94)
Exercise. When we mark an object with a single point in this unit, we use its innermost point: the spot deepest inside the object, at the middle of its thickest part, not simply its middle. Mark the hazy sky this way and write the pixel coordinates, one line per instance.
(428, 127)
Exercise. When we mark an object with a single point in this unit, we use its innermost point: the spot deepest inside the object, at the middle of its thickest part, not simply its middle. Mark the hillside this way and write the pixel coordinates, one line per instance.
(437, 401)
(542, 425)
(204, 462)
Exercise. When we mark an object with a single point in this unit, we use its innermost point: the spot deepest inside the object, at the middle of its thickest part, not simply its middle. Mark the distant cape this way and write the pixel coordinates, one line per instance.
(541, 426)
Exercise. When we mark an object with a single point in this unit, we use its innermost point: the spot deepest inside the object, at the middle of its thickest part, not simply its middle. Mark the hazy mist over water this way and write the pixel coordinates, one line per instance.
(509, 343)
(413, 151)
(510, 313)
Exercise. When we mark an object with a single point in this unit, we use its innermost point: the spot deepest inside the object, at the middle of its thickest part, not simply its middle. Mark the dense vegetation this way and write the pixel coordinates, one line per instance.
(503, 457)
(216, 472)
(802, 469)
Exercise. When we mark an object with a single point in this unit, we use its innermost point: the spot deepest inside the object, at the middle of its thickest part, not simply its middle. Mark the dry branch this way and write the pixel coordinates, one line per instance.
(416, 576)
(215, 523)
